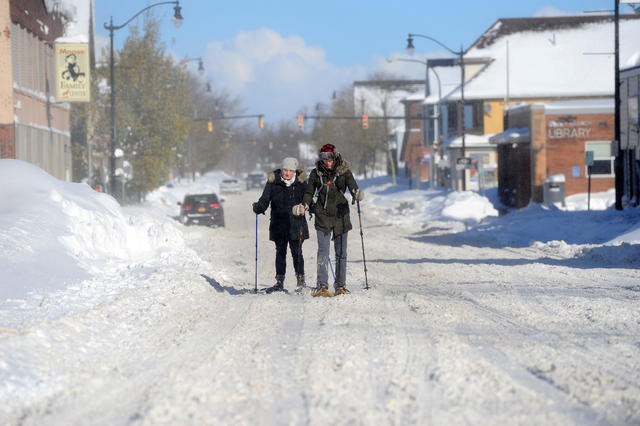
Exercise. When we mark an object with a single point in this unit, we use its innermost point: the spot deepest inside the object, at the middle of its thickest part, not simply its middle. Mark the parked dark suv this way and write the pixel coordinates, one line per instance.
(203, 209)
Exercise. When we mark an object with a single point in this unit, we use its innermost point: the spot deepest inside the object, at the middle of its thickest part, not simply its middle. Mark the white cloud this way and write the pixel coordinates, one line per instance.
(275, 75)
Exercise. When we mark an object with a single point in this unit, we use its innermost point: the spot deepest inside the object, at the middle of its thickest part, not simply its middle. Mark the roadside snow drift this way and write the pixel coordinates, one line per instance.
(56, 233)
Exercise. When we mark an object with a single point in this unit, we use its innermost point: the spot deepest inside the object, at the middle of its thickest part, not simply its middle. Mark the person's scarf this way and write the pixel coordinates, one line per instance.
(288, 182)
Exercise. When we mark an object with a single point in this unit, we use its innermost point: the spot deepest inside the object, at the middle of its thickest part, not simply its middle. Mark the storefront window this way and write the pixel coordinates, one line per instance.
(602, 158)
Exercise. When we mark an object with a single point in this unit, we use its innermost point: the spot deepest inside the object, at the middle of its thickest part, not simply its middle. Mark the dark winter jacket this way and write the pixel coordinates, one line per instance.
(284, 225)
(331, 208)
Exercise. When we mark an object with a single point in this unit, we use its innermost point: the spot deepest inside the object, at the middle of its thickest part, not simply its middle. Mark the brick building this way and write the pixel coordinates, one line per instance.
(33, 127)
(549, 139)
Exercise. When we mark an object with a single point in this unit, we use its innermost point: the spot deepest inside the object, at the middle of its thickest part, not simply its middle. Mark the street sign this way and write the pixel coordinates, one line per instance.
(589, 158)
(463, 163)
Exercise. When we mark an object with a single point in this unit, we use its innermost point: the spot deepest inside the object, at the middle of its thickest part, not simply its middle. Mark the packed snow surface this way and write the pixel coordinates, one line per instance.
(121, 315)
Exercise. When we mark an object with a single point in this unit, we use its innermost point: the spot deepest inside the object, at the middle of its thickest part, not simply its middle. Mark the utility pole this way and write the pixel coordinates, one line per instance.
(619, 183)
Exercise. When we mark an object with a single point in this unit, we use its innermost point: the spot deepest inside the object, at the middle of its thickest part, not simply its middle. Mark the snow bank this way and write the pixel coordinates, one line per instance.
(56, 233)
(411, 207)
(571, 229)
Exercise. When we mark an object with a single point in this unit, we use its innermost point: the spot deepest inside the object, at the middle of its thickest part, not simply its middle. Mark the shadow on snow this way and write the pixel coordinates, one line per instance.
(225, 289)
(622, 256)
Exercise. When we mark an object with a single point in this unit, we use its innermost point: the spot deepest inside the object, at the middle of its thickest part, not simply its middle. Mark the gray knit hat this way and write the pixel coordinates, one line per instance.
(290, 163)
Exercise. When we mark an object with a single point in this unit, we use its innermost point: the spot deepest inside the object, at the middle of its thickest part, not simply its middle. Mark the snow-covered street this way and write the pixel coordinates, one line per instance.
(464, 323)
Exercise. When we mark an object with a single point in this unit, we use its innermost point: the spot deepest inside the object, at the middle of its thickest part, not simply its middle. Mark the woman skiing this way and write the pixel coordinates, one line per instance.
(284, 189)
(327, 185)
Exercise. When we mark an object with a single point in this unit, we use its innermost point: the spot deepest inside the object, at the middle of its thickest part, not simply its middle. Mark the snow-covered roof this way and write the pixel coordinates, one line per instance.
(550, 57)
(369, 97)
(78, 15)
(586, 106)
(512, 136)
(442, 80)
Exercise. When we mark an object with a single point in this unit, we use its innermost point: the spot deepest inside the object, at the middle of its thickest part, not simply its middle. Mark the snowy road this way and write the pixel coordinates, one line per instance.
(451, 332)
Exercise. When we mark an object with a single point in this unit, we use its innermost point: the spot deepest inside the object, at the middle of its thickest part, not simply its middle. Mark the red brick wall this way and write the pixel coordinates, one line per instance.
(568, 150)
(7, 141)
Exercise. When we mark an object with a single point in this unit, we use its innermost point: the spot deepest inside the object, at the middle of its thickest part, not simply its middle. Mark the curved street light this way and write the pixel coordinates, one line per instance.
(460, 54)
(177, 20)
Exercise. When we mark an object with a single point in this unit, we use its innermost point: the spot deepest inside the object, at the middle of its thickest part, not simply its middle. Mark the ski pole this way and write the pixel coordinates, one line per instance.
(255, 289)
(332, 273)
(364, 261)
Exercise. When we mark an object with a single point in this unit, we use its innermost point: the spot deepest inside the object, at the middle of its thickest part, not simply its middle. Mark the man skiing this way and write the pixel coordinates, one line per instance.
(285, 188)
(327, 185)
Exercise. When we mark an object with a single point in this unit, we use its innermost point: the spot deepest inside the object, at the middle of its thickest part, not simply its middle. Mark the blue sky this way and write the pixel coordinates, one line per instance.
(281, 56)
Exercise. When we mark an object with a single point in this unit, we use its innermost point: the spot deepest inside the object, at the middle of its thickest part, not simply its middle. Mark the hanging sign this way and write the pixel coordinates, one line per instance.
(72, 72)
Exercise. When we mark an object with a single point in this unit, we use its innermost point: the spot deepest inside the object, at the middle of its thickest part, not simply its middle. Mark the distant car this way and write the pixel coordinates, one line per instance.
(230, 186)
(203, 209)
(256, 180)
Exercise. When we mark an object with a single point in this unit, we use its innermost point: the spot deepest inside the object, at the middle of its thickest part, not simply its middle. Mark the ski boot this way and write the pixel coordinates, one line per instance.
(340, 289)
(323, 291)
(279, 285)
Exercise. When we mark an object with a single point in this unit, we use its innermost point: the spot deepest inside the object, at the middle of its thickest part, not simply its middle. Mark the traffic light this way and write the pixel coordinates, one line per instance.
(261, 121)
(270, 145)
(210, 126)
(365, 122)
(300, 122)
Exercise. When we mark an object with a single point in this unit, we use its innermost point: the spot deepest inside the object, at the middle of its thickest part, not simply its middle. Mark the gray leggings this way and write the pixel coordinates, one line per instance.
(340, 247)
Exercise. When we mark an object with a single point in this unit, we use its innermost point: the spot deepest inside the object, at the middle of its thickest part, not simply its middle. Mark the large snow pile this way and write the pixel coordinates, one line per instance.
(55, 233)
(414, 207)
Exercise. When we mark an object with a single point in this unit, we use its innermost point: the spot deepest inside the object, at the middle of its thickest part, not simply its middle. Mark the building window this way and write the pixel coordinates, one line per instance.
(632, 109)
(602, 158)
(473, 118)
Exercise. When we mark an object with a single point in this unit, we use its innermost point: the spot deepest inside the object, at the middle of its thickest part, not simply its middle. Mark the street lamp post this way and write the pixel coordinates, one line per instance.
(177, 19)
(460, 53)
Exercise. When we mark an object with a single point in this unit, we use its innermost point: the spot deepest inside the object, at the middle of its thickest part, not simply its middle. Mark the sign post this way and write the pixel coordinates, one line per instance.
(589, 163)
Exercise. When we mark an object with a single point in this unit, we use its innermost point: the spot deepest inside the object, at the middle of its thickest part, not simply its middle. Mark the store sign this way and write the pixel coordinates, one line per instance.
(568, 132)
(72, 72)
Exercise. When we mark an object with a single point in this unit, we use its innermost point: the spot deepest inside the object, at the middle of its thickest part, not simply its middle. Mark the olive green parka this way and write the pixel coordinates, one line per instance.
(327, 187)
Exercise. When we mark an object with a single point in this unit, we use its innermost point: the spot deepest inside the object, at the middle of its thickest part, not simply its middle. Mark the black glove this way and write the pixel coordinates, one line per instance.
(256, 208)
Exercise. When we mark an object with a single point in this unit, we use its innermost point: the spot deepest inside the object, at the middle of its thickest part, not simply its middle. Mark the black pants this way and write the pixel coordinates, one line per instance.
(296, 254)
